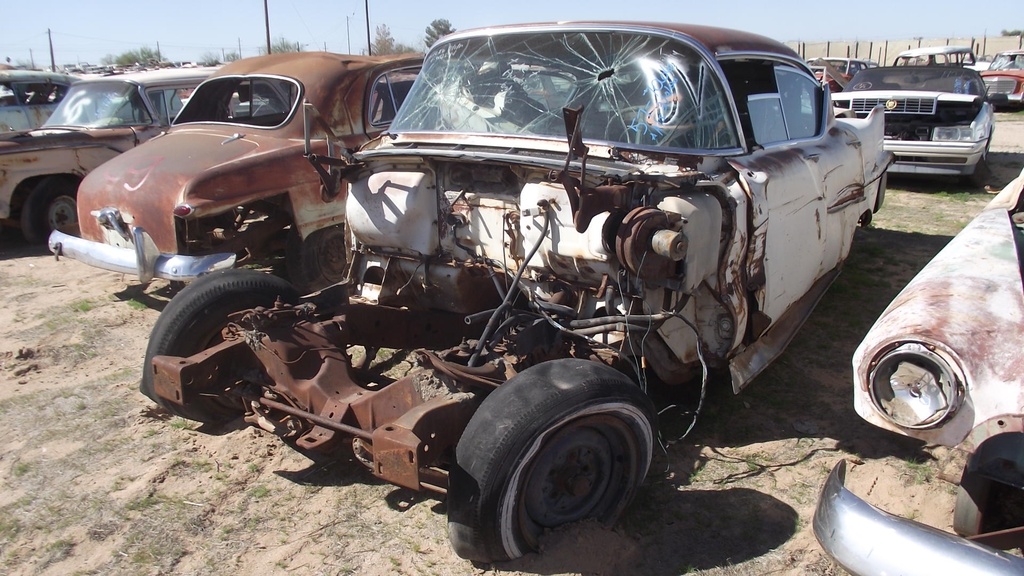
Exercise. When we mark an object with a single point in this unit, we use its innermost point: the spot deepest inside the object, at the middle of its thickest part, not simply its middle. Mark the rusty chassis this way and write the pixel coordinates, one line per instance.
(273, 361)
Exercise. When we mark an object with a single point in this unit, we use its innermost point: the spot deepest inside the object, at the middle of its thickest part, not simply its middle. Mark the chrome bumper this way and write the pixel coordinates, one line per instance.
(866, 541)
(143, 260)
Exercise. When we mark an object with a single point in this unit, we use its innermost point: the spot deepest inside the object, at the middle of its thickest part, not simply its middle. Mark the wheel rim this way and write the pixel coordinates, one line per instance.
(62, 213)
(330, 253)
(584, 469)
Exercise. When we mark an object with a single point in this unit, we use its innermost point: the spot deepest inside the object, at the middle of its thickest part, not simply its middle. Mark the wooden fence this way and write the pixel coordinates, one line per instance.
(885, 51)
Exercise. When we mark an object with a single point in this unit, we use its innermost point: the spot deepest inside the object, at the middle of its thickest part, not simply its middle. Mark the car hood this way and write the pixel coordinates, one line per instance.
(212, 169)
(40, 139)
(967, 305)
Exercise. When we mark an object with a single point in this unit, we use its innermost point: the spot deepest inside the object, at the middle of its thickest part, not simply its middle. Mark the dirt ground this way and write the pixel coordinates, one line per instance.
(95, 480)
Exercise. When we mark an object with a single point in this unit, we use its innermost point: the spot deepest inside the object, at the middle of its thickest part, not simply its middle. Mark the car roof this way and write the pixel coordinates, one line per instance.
(34, 76)
(1011, 52)
(161, 76)
(928, 50)
(324, 67)
(718, 41)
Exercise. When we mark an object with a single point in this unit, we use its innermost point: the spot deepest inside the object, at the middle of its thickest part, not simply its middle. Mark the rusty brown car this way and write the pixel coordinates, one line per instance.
(560, 216)
(40, 170)
(229, 183)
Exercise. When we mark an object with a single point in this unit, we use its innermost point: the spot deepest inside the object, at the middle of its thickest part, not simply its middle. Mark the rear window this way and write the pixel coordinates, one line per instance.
(260, 101)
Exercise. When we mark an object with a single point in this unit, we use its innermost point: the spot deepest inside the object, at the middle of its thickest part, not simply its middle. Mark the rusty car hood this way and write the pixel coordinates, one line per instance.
(212, 169)
(968, 304)
(40, 139)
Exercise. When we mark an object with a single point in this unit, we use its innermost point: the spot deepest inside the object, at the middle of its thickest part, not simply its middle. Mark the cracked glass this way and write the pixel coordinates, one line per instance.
(635, 89)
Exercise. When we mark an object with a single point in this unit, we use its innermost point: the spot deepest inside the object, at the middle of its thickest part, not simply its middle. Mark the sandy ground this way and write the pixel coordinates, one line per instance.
(95, 480)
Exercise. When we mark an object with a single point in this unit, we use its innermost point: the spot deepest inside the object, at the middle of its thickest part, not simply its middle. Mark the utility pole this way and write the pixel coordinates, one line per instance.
(159, 58)
(53, 63)
(266, 16)
(239, 47)
(348, 34)
(369, 46)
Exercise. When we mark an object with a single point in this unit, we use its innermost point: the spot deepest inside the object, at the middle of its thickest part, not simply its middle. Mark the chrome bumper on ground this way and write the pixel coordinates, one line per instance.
(866, 541)
(143, 260)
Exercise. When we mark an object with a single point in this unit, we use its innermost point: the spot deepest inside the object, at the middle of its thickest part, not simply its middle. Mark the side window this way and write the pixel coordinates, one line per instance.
(800, 96)
(766, 118)
(387, 94)
(7, 97)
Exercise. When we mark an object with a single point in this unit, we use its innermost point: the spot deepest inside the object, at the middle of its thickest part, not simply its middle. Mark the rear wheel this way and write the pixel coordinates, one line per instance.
(51, 205)
(193, 322)
(560, 442)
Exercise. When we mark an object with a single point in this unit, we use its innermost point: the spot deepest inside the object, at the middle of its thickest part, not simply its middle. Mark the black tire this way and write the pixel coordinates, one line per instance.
(193, 320)
(320, 260)
(972, 500)
(561, 441)
(50, 206)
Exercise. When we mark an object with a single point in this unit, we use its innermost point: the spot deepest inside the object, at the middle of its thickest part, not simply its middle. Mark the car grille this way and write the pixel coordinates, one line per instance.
(1000, 85)
(902, 105)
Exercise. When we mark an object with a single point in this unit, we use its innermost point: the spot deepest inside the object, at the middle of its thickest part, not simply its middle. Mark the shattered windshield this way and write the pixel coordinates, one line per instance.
(264, 101)
(101, 105)
(635, 89)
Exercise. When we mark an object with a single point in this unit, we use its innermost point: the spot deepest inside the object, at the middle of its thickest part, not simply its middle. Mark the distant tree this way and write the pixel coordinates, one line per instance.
(1012, 32)
(282, 45)
(209, 59)
(384, 43)
(438, 28)
(231, 56)
(144, 56)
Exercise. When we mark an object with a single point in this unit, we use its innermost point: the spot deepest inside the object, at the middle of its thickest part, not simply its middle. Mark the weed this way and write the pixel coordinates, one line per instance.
(258, 492)
(20, 469)
(143, 503)
(180, 424)
(920, 471)
(81, 305)
(137, 305)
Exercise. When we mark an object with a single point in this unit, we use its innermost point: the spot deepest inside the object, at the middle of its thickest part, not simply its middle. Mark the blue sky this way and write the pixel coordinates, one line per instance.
(187, 29)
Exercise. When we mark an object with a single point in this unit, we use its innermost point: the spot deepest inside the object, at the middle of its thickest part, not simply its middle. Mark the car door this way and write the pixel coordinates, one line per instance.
(801, 215)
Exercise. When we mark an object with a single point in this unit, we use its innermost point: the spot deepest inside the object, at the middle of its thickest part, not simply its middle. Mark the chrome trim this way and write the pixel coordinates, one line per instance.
(142, 259)
(867, 541)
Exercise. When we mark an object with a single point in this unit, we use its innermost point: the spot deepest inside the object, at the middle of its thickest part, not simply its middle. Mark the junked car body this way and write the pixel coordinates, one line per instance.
(937, 56)
(28, 97)
(938, 120)
(837, 72)
(943, 364)
(1006, 76)
(229, 182)
(98, 119)
(559, 215)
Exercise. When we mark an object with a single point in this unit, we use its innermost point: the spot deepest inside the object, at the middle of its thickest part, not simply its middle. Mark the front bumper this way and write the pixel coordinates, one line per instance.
(942, 158)
(143, 259)
(866, 541)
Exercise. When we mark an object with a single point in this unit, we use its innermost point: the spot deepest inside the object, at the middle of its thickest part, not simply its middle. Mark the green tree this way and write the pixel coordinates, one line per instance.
(384, 43)
(282, 45)
(209, 59)
(1012, 32)
(143, 56)
(231, 56)
(438, 28)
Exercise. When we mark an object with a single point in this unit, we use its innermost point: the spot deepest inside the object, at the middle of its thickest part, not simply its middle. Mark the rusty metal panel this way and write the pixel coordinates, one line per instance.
(968, 304)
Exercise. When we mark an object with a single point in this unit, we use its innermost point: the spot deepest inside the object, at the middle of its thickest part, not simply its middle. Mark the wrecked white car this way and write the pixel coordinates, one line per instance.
(943, 364)
(938, 119)
(559, 216)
